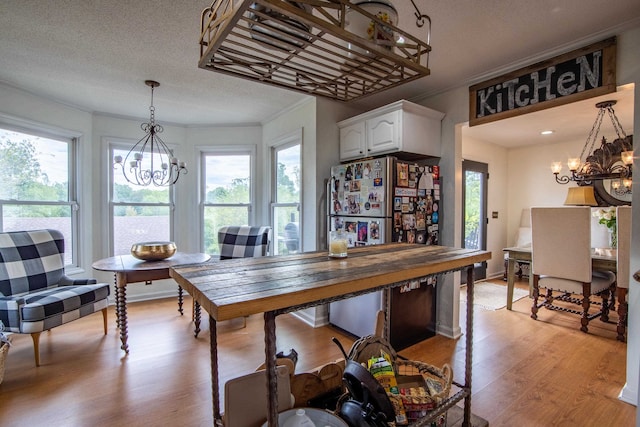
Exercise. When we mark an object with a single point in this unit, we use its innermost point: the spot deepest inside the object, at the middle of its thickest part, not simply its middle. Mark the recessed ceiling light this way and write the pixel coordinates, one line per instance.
(546, 132)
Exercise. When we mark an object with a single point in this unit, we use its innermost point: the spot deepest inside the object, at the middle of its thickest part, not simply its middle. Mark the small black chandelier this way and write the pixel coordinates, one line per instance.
(150, 160)
(612, 160)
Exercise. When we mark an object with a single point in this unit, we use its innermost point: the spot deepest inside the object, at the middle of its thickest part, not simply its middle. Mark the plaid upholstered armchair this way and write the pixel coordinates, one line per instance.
(243, 241)
(35, 294)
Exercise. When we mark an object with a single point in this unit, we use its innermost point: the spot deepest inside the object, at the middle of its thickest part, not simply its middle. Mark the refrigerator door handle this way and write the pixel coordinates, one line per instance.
(328, 185)
(390, 185)
(324, 244)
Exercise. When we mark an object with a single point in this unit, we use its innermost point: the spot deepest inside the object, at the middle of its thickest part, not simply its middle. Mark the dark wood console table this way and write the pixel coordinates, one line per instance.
(281, 284)
(128, 269)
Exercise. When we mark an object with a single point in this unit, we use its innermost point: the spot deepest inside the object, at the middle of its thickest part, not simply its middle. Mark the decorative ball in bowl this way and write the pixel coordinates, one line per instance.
(153, 251)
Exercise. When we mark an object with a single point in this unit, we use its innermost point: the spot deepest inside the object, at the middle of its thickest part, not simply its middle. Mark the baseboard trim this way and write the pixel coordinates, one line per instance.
(313, 321)
(453, 333)
(148, 296)
(628, 395)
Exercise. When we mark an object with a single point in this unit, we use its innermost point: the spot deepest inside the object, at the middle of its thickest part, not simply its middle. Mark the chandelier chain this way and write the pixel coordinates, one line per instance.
(595, 130)
(616, 123)
(152, 110)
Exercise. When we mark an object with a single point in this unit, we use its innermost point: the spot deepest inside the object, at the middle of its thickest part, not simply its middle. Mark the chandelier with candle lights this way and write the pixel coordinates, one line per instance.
(150, 160)
(610, 161)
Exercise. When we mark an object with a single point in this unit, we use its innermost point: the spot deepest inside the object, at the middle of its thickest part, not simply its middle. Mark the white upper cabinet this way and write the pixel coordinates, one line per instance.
(352, 144)
(383, 133)
(401, 127)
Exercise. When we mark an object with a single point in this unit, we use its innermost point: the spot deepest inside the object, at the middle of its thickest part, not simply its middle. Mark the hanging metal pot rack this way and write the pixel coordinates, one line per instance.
(306, 45)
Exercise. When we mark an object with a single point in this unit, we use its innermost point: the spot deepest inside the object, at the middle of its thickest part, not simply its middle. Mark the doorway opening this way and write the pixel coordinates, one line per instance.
(474, 210)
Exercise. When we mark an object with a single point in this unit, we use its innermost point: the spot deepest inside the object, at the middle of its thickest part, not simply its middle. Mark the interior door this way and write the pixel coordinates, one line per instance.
(474, 206)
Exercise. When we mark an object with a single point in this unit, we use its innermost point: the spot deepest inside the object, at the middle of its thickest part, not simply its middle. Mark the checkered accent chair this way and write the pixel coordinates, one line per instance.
(243, 241)
(35, 294)
(239, 242)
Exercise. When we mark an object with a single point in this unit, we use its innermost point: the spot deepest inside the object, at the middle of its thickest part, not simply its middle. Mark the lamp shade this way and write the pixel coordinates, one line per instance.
(581, 196)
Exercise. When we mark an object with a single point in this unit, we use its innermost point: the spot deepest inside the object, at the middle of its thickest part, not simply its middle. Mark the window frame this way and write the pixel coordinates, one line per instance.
(225, 150)
(282, 143)
(126, 144)
(73, 197)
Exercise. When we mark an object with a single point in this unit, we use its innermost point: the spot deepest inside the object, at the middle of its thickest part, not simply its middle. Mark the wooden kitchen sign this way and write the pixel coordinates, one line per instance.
(583, 73)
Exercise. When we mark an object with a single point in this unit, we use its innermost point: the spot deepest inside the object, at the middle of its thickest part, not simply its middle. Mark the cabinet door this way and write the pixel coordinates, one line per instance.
(383, 133)
(352, 141)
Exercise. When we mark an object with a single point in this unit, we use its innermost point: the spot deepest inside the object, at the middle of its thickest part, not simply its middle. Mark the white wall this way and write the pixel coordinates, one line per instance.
(455, 106)
(531, 182)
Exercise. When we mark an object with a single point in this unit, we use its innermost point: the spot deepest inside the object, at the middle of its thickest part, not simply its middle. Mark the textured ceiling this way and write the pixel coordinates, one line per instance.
(96, 55)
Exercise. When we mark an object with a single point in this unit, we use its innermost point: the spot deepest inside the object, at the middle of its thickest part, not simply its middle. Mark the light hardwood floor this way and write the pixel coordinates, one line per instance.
(525, 373)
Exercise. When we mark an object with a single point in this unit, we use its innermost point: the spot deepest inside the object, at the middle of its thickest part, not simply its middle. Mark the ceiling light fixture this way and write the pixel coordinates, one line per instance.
(546, 132)
(150, 160)
(333, 48)
(612, 160)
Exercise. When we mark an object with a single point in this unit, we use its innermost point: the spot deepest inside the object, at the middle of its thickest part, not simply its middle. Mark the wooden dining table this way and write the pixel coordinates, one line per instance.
(601, 259)
(128, 269)
(275, 285)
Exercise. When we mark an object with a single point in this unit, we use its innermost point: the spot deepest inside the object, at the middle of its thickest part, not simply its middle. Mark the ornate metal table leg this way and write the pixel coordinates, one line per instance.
(215, 385)
(511, 272)
(270, 362)
(612, 300)
(466, 422)
(115, 282)
(196, 319)
(622, 313)
(121, 283)
(180, 297)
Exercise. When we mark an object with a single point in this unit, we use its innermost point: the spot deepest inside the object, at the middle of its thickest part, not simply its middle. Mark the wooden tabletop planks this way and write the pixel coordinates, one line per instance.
(241, 287)
(128, 263)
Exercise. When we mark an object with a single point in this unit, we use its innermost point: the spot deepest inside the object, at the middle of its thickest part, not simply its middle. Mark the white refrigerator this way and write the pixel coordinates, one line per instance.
(378, 201)
(358, 204)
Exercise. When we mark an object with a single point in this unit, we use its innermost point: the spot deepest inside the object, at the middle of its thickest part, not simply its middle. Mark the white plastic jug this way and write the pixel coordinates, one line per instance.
(300, 419)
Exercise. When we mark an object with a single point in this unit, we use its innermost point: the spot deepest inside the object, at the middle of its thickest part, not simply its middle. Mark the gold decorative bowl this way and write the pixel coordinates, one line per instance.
(153, 251)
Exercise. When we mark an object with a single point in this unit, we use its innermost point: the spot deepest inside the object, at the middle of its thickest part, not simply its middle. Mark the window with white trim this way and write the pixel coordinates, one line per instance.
(138, 213)
(226, 192)
(285, 206)
(37, 187)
